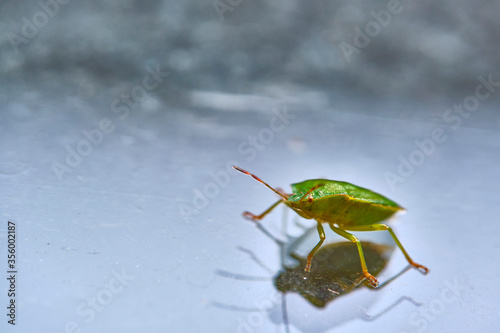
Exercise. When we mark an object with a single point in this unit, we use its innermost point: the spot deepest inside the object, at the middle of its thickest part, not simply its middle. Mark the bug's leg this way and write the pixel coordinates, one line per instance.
(354, 239)
(261, 216)
(380, 227)
(385, 283)
(322, 237)
(309, 192)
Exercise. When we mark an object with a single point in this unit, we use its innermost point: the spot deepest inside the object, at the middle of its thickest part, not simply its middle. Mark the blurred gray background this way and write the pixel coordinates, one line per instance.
(120, 120)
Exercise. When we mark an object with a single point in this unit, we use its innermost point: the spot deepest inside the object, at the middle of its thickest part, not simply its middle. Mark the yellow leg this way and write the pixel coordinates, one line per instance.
(261, 216)
(380, 227)
(322, 237)
(354, 239)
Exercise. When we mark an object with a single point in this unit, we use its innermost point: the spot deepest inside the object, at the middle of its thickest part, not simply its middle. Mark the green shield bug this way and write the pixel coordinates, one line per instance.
(344, 207)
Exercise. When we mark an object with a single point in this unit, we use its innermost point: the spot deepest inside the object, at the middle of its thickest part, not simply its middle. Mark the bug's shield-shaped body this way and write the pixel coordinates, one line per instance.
(339, 202)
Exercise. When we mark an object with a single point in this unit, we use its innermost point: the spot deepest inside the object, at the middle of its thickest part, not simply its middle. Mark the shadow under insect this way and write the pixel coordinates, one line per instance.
(335, 271)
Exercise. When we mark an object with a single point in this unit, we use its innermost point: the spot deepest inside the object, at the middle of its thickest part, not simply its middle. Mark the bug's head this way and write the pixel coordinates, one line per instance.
(302, 209)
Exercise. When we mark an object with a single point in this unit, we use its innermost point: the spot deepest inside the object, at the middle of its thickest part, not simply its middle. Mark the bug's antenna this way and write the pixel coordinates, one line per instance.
(260, 180)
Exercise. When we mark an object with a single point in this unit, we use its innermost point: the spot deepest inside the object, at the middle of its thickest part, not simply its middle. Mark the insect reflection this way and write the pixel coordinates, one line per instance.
(336, 271)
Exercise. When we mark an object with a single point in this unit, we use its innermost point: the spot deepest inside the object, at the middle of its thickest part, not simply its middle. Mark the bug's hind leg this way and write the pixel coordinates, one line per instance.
(354, 239)
(311, 254)
(261, 216)
(380, 227)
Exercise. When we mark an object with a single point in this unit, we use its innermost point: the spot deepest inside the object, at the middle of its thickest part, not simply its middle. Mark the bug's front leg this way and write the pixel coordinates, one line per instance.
(254, 217)
(311, 254)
